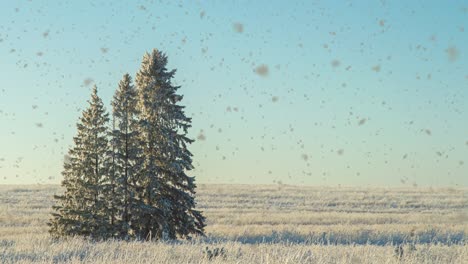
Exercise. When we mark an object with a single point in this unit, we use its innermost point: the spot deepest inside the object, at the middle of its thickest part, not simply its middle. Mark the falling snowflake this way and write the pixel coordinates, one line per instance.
(201, 136)
(452, 53)
(335, 63)
(238, 27)
(88, 81)
(262, 70)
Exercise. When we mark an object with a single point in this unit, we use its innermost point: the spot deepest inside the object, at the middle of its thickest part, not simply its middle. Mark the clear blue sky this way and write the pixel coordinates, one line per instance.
(355, 92)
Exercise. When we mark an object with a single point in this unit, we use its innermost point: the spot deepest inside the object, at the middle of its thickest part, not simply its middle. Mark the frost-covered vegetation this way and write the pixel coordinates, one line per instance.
(264, 224)
(130, 180)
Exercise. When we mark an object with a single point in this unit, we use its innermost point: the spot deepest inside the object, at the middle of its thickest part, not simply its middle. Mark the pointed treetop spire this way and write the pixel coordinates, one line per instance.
(94, 91)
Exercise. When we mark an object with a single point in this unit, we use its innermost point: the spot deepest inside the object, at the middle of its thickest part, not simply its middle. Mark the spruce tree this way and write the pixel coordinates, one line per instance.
(82, 209)
(110, 186)
(168, 192)
(134, 185)
(126, 156)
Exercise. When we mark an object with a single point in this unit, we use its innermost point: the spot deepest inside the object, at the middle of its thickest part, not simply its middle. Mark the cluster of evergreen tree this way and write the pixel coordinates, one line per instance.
(128, 180)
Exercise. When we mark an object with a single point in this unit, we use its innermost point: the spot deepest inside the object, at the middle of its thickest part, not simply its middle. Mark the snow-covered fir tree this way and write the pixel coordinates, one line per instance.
(82, 209)
(130, 181)
(126, 158)
(168, 192)
(110, 186)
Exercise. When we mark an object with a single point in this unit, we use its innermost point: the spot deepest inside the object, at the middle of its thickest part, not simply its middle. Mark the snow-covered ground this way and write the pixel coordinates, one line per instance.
(264, 224)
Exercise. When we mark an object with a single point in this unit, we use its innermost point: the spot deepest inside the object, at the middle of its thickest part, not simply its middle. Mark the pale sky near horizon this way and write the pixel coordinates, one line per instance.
(298, 92)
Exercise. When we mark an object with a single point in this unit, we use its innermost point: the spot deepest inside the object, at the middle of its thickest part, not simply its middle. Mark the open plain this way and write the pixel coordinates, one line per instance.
(263, 224)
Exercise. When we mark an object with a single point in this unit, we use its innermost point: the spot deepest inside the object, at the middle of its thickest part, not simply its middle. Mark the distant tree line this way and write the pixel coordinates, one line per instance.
(125, 176)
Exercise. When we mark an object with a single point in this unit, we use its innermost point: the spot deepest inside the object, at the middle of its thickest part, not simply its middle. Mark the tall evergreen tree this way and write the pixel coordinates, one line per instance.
(81, 210)
(126, 156)
(110, 185)
(134, 185)
(168, 192)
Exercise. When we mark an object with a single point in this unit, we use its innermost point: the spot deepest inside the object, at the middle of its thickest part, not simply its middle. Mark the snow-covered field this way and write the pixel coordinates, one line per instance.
(264, 224)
